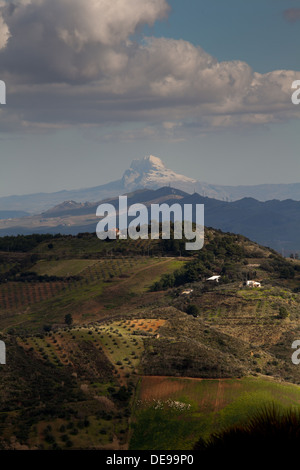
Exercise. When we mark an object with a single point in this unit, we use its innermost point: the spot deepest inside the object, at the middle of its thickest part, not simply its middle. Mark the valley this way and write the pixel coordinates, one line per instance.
(106, 351)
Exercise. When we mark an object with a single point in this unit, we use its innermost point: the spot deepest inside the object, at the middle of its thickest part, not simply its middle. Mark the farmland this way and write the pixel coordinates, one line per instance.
(104, 351)
(90, 295)
(172, 413)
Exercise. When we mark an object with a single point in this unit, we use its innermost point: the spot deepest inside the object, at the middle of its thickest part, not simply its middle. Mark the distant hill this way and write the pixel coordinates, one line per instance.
(149, 173)
(68, 208)
(272, 223)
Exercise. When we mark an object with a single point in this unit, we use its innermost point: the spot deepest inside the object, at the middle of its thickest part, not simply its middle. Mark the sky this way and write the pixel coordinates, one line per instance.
(203, 84)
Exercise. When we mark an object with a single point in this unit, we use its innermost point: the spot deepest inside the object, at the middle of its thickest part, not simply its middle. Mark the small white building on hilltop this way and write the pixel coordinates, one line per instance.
(214, 278)
(253, 284)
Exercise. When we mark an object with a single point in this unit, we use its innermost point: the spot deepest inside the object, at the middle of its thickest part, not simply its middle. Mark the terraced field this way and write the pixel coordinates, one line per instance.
(121, 341)
(14, 296)
(250, 314)
(103, 360)
(95, 282)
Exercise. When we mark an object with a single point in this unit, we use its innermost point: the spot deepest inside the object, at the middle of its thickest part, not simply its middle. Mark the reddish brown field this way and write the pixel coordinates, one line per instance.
(16, 295)
(147, 324)
(154, 388)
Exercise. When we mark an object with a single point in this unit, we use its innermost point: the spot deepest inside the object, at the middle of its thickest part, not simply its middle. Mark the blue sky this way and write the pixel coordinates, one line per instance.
(254, 31)
(94, 94)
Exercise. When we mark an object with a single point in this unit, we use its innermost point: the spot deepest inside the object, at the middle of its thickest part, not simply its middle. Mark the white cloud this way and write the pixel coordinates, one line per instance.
(103, 21)
(73, 40)
(4, 33)
(74, 62)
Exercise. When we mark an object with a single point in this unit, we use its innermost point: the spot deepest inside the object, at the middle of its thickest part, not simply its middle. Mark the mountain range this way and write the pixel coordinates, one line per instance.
(274, 223)
(147, 173)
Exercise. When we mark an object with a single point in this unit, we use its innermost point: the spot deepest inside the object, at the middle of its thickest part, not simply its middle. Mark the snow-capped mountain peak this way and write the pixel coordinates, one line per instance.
(147, 163)
(151, 172)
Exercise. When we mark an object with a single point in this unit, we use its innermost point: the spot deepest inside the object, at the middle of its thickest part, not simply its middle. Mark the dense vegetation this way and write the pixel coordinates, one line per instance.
(23, 243)
(226, 255)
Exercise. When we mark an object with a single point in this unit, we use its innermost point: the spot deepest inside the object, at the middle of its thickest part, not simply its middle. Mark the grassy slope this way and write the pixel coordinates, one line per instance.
(207, 406)
(69, 267)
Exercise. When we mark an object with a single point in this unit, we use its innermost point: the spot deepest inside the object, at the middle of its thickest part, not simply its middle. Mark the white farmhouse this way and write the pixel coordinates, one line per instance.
(214, 278)
(253, 284)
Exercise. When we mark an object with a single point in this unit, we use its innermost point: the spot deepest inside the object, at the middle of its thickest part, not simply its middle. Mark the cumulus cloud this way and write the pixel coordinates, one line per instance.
(292, 14)
(75, 62)
(4, 33)
(73, 40)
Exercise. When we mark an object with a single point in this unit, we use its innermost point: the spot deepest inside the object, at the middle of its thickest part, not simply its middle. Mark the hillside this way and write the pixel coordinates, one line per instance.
(90, 326)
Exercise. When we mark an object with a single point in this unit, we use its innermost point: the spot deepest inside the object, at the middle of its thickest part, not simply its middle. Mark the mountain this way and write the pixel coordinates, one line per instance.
(68, 208)
(261, 192)
(151, 173)
(275, 224)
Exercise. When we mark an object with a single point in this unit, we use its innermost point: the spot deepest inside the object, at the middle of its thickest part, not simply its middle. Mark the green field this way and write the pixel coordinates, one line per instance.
(173, 413)
(69, 267)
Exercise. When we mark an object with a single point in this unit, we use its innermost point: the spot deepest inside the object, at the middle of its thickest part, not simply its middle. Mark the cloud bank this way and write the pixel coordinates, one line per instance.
(85, 63)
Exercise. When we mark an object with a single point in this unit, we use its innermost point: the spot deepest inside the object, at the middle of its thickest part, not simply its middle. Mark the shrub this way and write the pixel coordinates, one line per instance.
(269, 429)
(192, 309)
(283, 313)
